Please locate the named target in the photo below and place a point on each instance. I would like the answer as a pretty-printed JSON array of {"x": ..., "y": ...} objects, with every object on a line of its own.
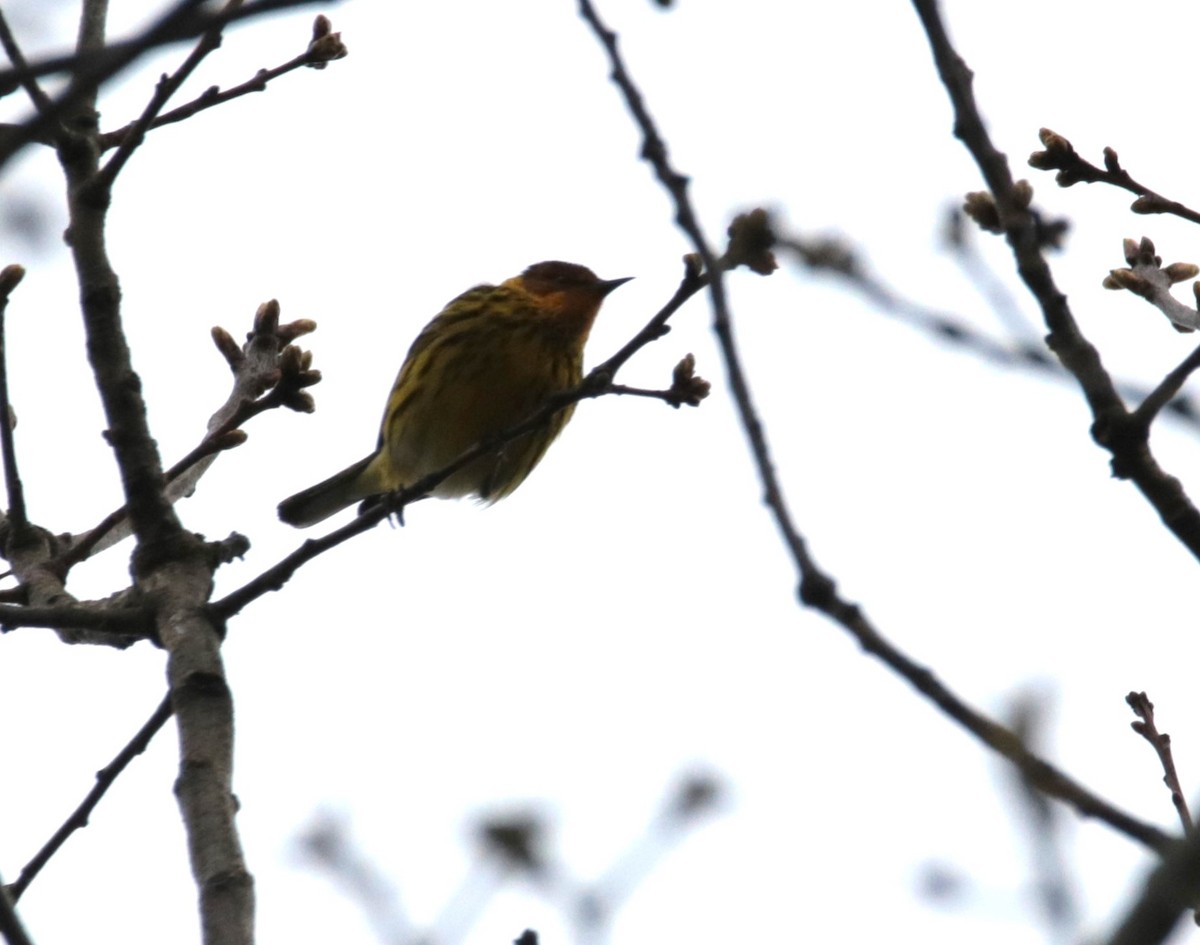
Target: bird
[{"x": 490, "y": 359}]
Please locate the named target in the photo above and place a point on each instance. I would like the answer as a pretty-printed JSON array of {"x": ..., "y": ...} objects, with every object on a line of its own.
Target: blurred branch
[
  {"x": 1114, "y": 428},
  {"x": 841, "y": 260},
  {"x": 328, "y": 845},
  {"x": 817, "y": 589},
  {"x": 41, "y": 101},
  {"x": 510, "y": 845},
  {"x": 694, "y": 797},
  {"x": 1042, "y": 825},
  {"x": 105, "y": 778}
]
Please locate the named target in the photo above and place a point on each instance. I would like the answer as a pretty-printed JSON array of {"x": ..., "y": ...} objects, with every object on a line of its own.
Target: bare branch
[
  {"x": 105, "y": 778},
  {"x": 1125, "y": 437},
  {"x": 128, "y": 623},
  {"x": 1060, "y": 155},
  {"x": 841, "y": 260},
  {"x": 1167, "y": 390},
  {"x": 93, "y": 65},
  {"x": 166, "y": 88},
  {"x": 1148, "y": 278},
  {"x": 10, "y": 278},
  {"x": 317, "y": 53},
  {"x": 817, "y": 589},
  {"x": 1143, "y": 708},
  {"x": 268, "y": 372}
]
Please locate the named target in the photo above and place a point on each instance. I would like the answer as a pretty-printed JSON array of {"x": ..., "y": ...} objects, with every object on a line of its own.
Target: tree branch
[
  {"x": 1113, "y": 428},
  {"x": 105, "y": 778},
  {"x": 817, "y": 589},
  {"x": 1060, "y": 155},
  {"x": 18, "y": 521},
  {"x": 92, "y": 65},
  {"x": 319, "y": 52},
  {"x": 267, "y": 373},
  {"x": 172, "y": 567},
  {"x": 11, "y": 927}
]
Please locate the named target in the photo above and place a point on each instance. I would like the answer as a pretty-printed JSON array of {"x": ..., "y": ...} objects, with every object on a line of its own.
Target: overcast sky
[{"x": 629, "y": 614}]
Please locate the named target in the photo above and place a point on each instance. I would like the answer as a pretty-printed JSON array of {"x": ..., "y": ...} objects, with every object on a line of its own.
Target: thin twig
[
  {"x": 214, "y": 96},
  {"x": 816, "y": 589},
  {"x": 1060, "y": 155},
  {"x": 841, "y": 260},
  {"x": 1143, "y": 708},
  {"x": 266, "y": 374},
  {"x": 167, "y": 86},
  {"x": 105, "y": 778},
  {"x": 1167, "y": 389},
  {"x": 91, "y": 68},
  {"x": 10, "y": 277}
]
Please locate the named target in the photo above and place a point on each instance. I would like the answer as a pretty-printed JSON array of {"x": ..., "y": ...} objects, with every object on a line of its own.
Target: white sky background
[{"x": 629, "y": 613}]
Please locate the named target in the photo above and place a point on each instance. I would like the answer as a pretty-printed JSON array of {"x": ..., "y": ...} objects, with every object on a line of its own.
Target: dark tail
[{"x": 318, "y": 502}]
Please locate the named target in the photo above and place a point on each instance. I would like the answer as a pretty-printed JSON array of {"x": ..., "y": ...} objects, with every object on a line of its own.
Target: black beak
[{"x": 607, "y": 285}]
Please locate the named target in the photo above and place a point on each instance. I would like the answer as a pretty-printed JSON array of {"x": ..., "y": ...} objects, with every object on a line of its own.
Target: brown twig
[
  {"x": 167, "y": 86},
  {"x": 91, "y": 67},
  {"x": 1167, "y": 390},
  {"x": 10, "y": 278},
  {"x": 1060, "y": 155},
  {"x": 317, "y": 53},
  {"x": 817, "y": 589},
  {"x": 267, "y": 373},
  {"x": 1143, "y": 708},
  {"x": 105, "y": 779},
  {"x": 1124, "y": 436}
]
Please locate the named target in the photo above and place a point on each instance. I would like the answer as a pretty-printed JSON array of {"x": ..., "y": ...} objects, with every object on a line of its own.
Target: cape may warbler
[{"x": 486, "y": 362}]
